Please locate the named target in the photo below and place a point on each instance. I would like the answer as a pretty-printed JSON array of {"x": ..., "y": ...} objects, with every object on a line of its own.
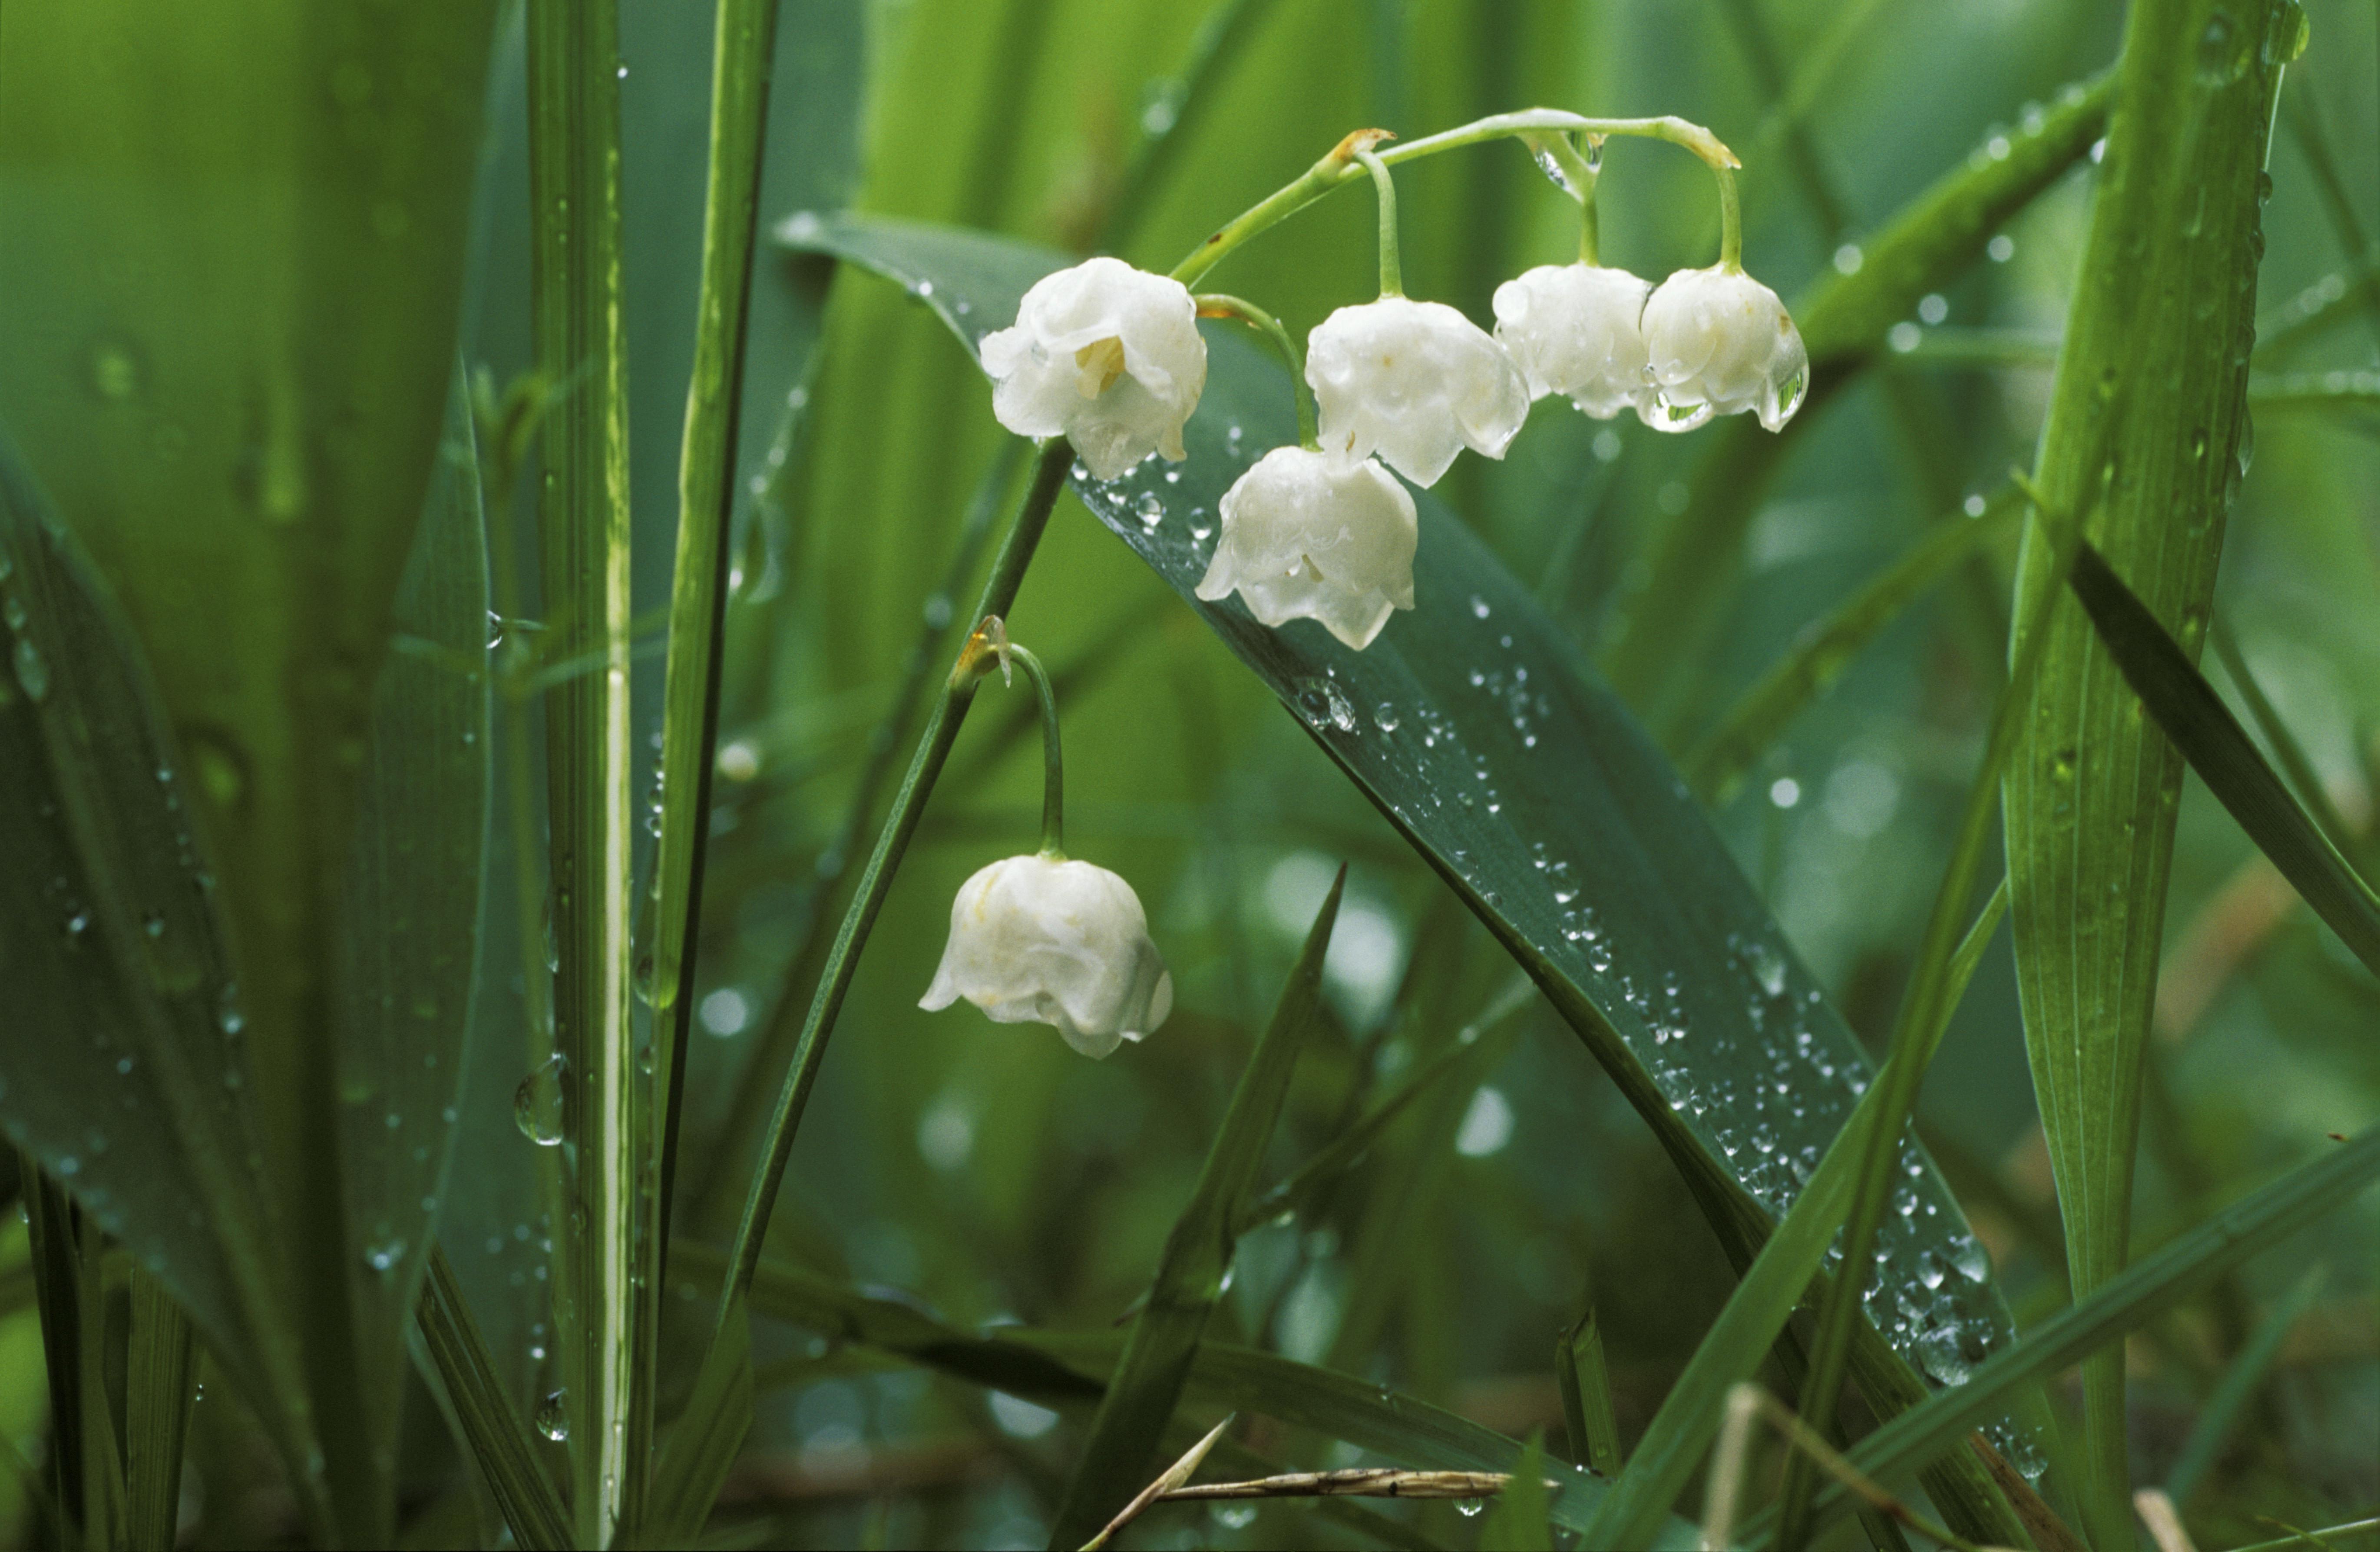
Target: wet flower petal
[
  {"x": 1105, "y": 355},
  {"x": 1575, "y": 329},
  {"x": 1049, "y": 940},
  {"x": 1314, "y": 536},
  {"x": 1414, "y": 382},
  {"x": 1718, "y": 343}
]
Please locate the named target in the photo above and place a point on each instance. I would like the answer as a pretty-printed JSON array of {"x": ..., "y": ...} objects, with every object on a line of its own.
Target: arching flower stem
[
  {"x": 1392, "y": 278},
  {"x": 1341, "y": 167},
  {"x": 989, "y": 647},
  {"x": 1216, "y": 304},
  {"x": 1730, "y": 222}
]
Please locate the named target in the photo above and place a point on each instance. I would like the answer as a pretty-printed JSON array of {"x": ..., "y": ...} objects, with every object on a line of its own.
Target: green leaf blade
[
  {"x": 1164, "y": 1340},
  {"x": 2142, "y": 445}
]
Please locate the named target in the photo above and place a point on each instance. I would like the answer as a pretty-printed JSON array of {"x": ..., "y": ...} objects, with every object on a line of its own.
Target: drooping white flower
[
  {"x": 1107, "y": 356},
  {"x": 1047, "y": 940},
  {"x": 1574, "y": 329},
  {"x": 1314, "y": 536},
  {"x": 1413, "y": 382},
  {"x": 1719, "y": 342}
]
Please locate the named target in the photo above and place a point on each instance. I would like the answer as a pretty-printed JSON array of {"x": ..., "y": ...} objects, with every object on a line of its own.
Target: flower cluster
[{"x": 1110, "y": 357}]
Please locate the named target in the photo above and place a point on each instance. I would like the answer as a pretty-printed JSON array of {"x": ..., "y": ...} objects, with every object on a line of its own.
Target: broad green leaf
[
  {"x": 1146, "y": 1386},
  {"x": 411, "y": 930},
  {"x": 2145, "y": 445},
  {"x": 1058, "y": 1368},
  {"x": 494, "y": 1433},
  {"x": 702, "y": 1445},
  {"x": 231, "y": 257},
  {"x": 1528, "y": 786},
  {"x": 2206, "y": 734},
  {"x": 135, "y": 1097},
  {"x": 1843, "y": 318}
]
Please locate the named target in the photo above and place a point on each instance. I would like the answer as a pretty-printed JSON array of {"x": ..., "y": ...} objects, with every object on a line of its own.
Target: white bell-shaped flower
[
  {"x": 1044, "y": 939},
  {"x": 1575, "y": 329},
  {"x": 1718, "y": 342},
  {"x": 1105, "y": 355},
  {"x": 1314, "y": 536},
  {"x": 1413, "y": 382}
]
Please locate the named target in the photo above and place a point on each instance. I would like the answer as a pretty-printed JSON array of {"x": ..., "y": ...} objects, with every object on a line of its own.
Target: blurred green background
[{"x": 989, "y": 1171}]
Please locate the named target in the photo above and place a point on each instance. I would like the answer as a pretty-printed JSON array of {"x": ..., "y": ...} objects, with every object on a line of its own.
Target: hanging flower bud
[
  {"x": 1574, "y": 329},
  {"x": 1413, "y": 382},
  {"x": 1721, "y": 342},
  {"x": 1043, "y": 940},
  {"x": 1106, "y": 355},
  {"x": 1313, "y": 536}
]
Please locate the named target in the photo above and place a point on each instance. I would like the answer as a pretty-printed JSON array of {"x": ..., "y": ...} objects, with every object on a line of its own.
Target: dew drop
[
  {"x": 552, "y": 1420},
  {"x": 537, "y": 1106}
]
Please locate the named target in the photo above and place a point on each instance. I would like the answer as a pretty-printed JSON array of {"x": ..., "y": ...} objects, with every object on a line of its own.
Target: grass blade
[
  {"x": 702, "y": 1445},
  {"x": 2285, "y": 746},
  {"x": 2202, "y": 729},
  {"x": 1164, "y": 1340},
  {"x": 1585, "y": 1385},
  {"x": 576, "y": 324},
  {"x": 49, "y": 1222},
  {"x": 1521, "y": 1522},
  {"x": 2240, "y": 1380},
  {"x": 2145, "y": 428},
  {"x": 159, "y": 1387},
  {"x": 1759, "y": 718},
  {"x": 497, "y": 1438},
  {"x": 2154, "y": 1284},
  {"x": 742, "y": 50}
]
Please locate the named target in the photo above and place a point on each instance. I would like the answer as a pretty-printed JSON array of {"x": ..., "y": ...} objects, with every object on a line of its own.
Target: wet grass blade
[
  {"x": 2241, "y": 1377},
  {"x": 2192, "y": 714},
  {"x": 580, "y": 337},
  {"x": 703, "y": 1443},
  {"x": 1690, "y": 1415},
  {"x": 1585, "y": 1385},
  {"x": 1827, "y": 647},
  {"x": 1164, "y": 1339},
  {"x": 2155, "y": 1283},
  {"x": 2143, "y": 439},
  {"x": 497, "y": 1438},
  {"x": 159, "y": 1387},
  {"x": 742, "y": 51}
]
